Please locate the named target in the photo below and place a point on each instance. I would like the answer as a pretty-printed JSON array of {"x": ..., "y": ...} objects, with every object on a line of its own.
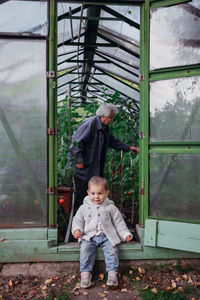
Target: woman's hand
[
  {"x": 80, "y": 166},
  {"x": 128, "y": 238},
  {"x": 134, "y": 148},
  {"x": 77, "y": 234}
]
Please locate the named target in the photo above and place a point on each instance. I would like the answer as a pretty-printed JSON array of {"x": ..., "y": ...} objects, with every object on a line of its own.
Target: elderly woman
[{"x": 89, "y": 146}]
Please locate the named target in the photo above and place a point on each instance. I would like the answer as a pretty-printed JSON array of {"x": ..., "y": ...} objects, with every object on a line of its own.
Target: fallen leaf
[
  {"x": 1, "y": 239},
  {"x": 190, "y": 280},
  {"x": 133, "y": 267},
  {"x": 101, "y": 276},
  {"x": 102, "y": 295},
  {"x": 154, "y": 290},
  {"x": 85, "y": 293},
  {"x": 48, "y": 281},
  {"x": 141, "y": 270},
  {"x": 183, "y": 263},
  {"x": 10, "y": 283},
  {"x": 146, "y": 287},
  {"x": 173, "y": 283},
  {"x": 125, "y": 278},
  {"x": 138, "y": 278}
]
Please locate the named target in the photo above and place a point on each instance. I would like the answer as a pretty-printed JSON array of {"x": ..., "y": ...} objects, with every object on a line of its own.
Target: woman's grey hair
[{"x": 106, "y": 110}]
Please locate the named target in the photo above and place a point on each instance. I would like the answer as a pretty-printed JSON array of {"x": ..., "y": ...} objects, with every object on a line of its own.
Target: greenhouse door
[{"x": 170, "y": 140}]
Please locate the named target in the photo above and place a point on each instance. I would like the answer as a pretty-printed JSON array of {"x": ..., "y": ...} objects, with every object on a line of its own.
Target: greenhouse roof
[{"x": 98, "y": 51}]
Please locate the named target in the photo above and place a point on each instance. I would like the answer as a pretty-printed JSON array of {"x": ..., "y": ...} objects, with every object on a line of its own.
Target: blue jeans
[{"x": 88, "y": 253}]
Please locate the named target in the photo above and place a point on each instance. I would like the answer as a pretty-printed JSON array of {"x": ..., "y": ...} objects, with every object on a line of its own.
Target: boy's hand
[
  {"x": 128, "y": 238},
  {"x": 77, "y": 234}
]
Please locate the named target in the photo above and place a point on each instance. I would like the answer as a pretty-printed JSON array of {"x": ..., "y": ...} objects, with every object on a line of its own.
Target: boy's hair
[{"x": 97, "y": 180}]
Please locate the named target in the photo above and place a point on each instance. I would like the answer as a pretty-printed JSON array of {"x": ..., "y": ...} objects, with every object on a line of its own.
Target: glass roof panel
[
  {"x": 111, "y": 68},
  {"x": 118, "y": 86},
  {"x": 122, "y": 28},
  {"x": 111, "y": 49},
  {"x": 66, "y": 78},
  {"x": 28, "y": 17}
]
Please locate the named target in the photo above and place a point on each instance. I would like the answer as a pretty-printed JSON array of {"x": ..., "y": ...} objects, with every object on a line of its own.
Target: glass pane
[
  {"x": 24, "y": 17},
  {"x": 175, "y": 110},
  {"x": 118, "y": 86},
  {"x": 175, "y": 186},
  {"x": 23, "y": 159},
  {"x": 175, "y": 35}
]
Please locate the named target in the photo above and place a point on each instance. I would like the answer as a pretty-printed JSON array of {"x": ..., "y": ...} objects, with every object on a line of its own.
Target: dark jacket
[{"x": 87, "y": 144}]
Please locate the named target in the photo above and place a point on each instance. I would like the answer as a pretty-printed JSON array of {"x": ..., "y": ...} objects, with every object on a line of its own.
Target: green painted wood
[
  {"x": 174, "y": 220},
  {"x": 172, "y": 74},
  {"x": 173, "y": 235},
  {"x": 52, "y": 104},
  {"x": 144, "y": 124},
  {"x": 52, "y": 233},
  {"x": 25, "y": 248},
  {"x": 191, "y": 231},
  {"x": 24, "y": 234},
  {"x": 150, "y": 236},
  {"x": 179, "y": 243},
  {"x": 190, "y": 149},
  {"x": 161, "y": 3}
]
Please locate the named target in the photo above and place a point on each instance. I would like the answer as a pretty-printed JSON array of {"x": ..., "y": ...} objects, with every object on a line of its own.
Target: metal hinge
[
  {"x": 142, "y": 135},
  {"x": 51, "y": 191},
  {"x": 51, "y": 74},
  {"x": 52, "y": 131},
  {"x": 142, "y": 77}
]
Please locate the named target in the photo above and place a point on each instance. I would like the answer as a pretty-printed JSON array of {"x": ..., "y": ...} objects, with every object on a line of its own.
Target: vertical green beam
[
  {"x": 52, "y": 110},
  {"x": 144, "y": 122}
]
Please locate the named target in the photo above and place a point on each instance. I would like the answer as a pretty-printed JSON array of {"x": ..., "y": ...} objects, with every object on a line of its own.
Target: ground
[{"x": 177, "y": 281}]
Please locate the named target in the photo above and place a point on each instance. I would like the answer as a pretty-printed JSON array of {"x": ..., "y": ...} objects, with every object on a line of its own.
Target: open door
[{"x": 170, "y": 140}]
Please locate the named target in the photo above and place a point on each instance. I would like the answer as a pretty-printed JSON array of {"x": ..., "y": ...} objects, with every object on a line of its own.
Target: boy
[{"x": 98, "y": 222}]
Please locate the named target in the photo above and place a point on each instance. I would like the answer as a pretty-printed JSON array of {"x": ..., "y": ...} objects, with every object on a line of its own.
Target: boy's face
[{"x": 97, "y": 193}]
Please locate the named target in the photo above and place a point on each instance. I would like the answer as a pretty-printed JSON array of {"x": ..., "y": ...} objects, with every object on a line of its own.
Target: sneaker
[
  {"x": 112, "y": 278},
  {"x": 86, "y": 279}
]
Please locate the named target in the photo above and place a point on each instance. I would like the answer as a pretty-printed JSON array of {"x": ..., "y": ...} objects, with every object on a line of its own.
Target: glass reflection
[
  {"x": 175, "y": 110},
  {"x": 175, "y": 186},
  {"x": 175, "y": 35}
]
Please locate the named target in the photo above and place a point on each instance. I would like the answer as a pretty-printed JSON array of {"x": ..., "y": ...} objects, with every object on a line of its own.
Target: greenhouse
[{"x": 59, "y": 61}]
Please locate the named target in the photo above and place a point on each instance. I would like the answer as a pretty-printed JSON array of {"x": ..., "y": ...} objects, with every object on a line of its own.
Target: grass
[{"x": 161, "y": 295}]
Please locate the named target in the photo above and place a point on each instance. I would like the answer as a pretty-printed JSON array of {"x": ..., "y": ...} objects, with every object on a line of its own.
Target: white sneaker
[
  {"x": 112, "y": 278},
  {"x": 86, "y": 279}
]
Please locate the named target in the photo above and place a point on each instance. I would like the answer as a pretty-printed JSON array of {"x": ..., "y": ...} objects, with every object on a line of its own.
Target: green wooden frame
[{"x": 52, "y": 113}]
